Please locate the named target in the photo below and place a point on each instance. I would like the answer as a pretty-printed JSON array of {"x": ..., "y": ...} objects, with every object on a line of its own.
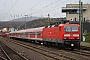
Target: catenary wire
[{"x": 10, "y": 9}]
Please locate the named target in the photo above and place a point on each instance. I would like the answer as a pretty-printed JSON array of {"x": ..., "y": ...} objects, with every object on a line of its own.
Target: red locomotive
[{"x": 63, "y": 35}]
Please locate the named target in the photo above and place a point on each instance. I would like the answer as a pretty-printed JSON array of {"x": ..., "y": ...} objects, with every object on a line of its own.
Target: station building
[{"x": 72, "y": 12}]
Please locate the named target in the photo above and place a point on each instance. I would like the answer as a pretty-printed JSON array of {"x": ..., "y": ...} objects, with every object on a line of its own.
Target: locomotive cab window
[
  {"x": 71, "y": 28},
  {"x": 74, "y": 28}
]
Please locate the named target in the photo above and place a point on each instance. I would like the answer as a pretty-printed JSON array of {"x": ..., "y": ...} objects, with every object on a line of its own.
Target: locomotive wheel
[
  {"x": 59, "y": 45},
  {"x": 72, "y": 48},
  {"x": 78, "y": 46}
]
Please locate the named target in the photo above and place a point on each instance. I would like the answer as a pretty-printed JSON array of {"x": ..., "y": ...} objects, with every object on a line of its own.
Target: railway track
[
  {"x": 48, "y": 52},
  {"x": 81, "y": 52},
  {"x": 9, "y": 53},
  {"x": 2, "y": 58},
  {"x": 2, "y": 55},
  {"x": 85, "y": 48},
  {"x": 45, "y": 52}
]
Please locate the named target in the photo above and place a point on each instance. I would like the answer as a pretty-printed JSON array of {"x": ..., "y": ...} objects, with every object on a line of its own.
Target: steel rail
[
  {"x": 44, "y": 52},
  {"x": 2, "y": 58},
  {"x": 15, "y": 52},
  {"x": 5, "y": 53}
]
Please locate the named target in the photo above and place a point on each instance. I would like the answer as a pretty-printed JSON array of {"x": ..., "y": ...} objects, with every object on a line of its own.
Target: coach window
[
  {"x": 23, "y": 33},
  {"x": 32, "y": 33},
  {"x": 28, "y": 33},
  {"x": 39, "y": 33}
]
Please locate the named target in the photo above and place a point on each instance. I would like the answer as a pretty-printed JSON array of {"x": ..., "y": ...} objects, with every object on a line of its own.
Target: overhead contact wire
[{"x": 11, "y": 8}]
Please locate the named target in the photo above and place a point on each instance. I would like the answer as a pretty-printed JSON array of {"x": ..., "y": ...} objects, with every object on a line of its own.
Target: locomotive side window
[
  {"x": 70, "y": 28},
  {"x": 59, "y": 28}
]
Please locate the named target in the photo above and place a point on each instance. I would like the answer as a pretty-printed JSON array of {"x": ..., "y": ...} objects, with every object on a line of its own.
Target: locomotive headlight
[
  {"x": 76, "y": 35},
  {"x": 72, "y": 44},
  {"x": 66, "y": 35},
  {"x": 78, "y": 38},
  {"x": 65, "y": 38}
]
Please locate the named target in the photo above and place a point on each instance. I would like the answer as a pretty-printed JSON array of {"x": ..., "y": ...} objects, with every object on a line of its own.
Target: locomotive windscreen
[{"x": 71, "y": 28}]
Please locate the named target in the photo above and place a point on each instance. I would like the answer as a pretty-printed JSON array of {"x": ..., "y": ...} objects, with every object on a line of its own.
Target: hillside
[
  {"x": 10, "y": 24},
  {"x": 41, "y": 22},
  {"x": 16, "y": 23},
  {"x": 30, "y": 24},
  {"x": 23, "y": 19}
]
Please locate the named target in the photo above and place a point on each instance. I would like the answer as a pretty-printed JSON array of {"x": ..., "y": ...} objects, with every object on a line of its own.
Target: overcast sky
[{"x": 12, "y": 9}]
